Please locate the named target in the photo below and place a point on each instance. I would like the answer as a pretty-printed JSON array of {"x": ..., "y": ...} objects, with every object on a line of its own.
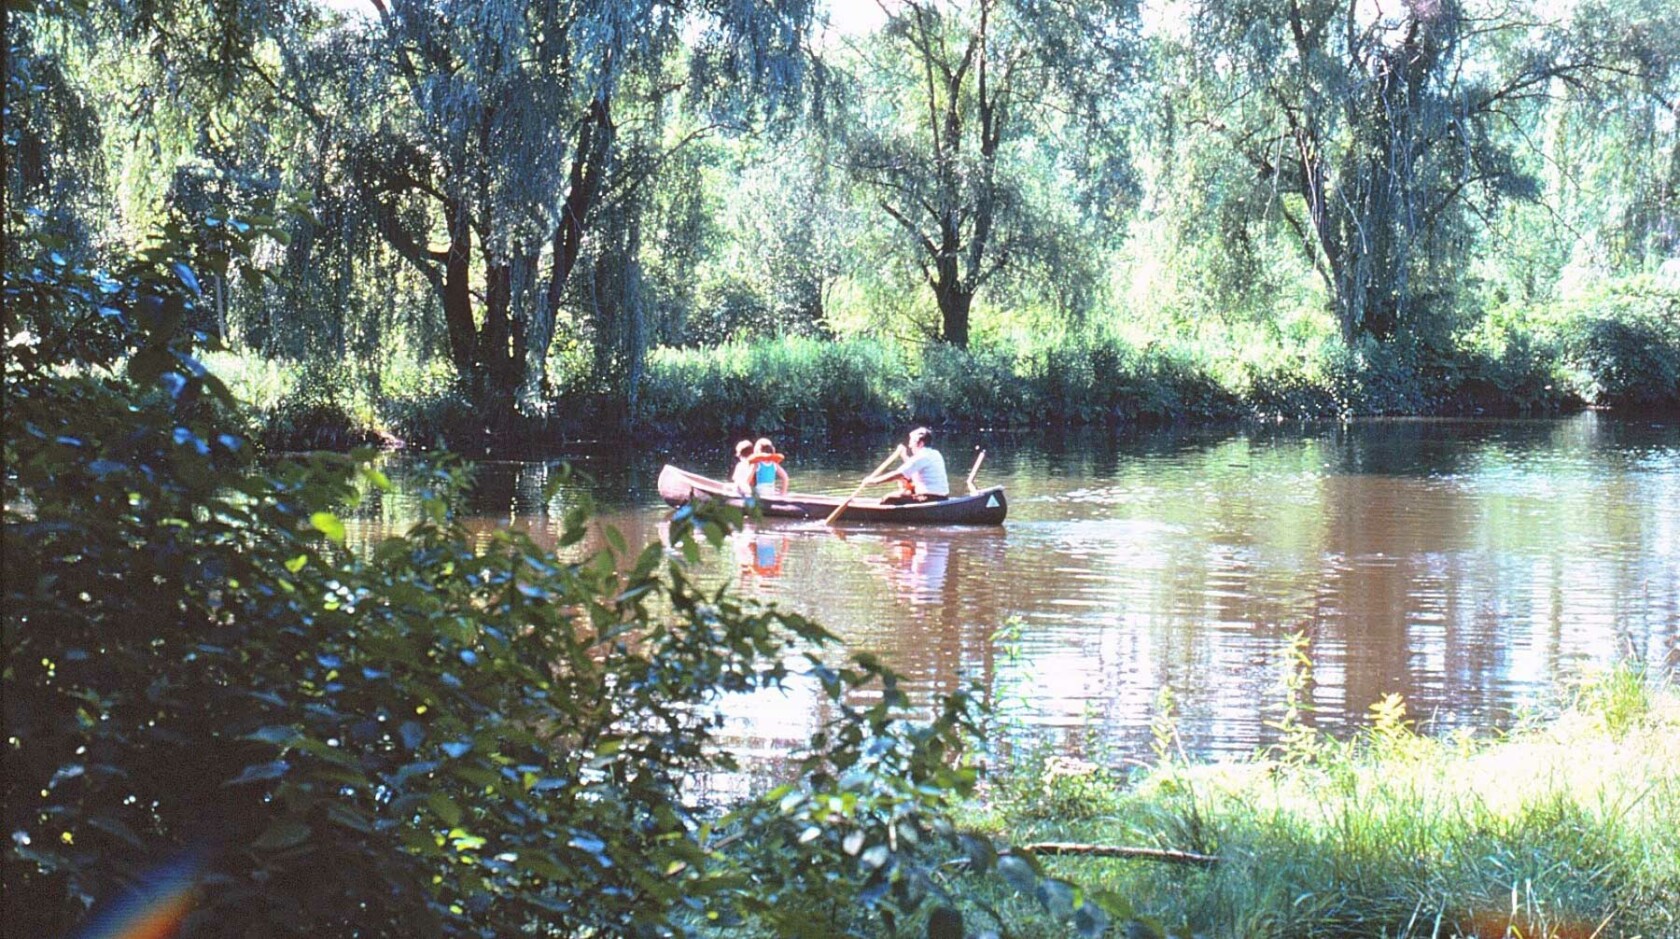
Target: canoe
[{"x": 985, "y": 507}]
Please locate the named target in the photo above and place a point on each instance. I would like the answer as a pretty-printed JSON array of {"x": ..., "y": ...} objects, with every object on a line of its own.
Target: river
[{"x": 1473, "y": 568}]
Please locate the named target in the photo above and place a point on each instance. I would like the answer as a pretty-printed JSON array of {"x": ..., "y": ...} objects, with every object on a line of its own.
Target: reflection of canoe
[{"x": 986, "y": 507}]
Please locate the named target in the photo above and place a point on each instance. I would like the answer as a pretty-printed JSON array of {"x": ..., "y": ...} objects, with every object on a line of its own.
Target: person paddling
[
  {"x": 923, "y": 469},
  {"x": 768, "y": 478}
]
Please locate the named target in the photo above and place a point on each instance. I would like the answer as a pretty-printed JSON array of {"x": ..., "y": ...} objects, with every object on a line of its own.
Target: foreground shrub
[{"x": 439, "y": 734}]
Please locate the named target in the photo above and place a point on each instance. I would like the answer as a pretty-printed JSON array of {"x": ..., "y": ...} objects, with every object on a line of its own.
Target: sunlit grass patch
[
  {"x": 1562, "y": 829},
  {"x": 798, "y": 385}
]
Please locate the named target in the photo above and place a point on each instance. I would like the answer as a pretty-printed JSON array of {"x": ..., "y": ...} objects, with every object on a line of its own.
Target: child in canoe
[
  {"x": 768, "y": 478},
  {"x": 742, "y": 476}
]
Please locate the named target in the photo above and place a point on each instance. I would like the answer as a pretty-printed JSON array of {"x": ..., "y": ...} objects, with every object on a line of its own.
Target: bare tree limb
[{"x": 1074, "y": 849}]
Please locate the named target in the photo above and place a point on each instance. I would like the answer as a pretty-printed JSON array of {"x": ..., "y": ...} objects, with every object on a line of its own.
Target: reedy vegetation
[{"x": 1561, "y": 828}]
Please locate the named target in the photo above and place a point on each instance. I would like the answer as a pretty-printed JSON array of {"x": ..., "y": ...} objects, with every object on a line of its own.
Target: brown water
[{"x": 1472, "y": 567}]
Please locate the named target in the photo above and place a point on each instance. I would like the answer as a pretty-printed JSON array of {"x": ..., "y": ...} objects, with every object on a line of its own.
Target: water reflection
[
  {"x": 758, "y": 553},
  {"x": 1468, "y": 566},
  {"x": 916, "y": 568}
]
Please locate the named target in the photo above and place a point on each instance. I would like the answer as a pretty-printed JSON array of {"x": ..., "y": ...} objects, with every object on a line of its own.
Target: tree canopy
[{"x": 521, "y": 201}]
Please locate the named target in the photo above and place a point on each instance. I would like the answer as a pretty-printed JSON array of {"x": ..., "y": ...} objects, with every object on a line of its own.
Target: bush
[
  {"x": 801, "y": 386},
  {"x": 1282, "y": 388},
  {"x": 1624, "y": 346},
  {"x": 426, "y": 407},
  {"x": 1075, "y": 381},
  {"x": 971, "y": 386},
  {"x": 1514, "y": 369},
  {"x": 439, "y": 737}
]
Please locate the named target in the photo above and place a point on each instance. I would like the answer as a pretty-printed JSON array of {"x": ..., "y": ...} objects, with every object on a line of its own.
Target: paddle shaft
[
  {"x": 977, "y": 461},
  {"x": 878, "y": 470}
]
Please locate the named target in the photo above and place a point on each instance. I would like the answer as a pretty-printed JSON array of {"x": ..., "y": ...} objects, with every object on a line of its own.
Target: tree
[
  {"x": 501, "y": 145},
  {"x": 958, "y": 84},
  {"x": 52, "y": 138},
  {"x": 1381, "y": 128}
]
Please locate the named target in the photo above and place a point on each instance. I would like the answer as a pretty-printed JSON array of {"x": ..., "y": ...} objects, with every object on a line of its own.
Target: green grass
[
  {"x": 1563, "y": 829},
  {"x": 790, "y": 385},
  {"x": 1622, "y": 350}
]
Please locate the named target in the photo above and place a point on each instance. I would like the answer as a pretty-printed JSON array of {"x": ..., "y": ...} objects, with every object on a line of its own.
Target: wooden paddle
[
  {"x": 977, "y": 461},
  {"x": 898, "y": 451}
]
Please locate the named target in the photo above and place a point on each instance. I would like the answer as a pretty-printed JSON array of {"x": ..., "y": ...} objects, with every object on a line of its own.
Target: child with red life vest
[{"x": 768, "y": 478}]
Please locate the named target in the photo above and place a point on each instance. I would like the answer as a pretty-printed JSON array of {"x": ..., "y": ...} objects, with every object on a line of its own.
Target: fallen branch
[{"x": 1075, "y": 849}]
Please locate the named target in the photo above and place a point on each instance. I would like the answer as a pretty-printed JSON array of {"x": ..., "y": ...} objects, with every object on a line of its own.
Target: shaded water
[{"x": 1469, "y": 566}]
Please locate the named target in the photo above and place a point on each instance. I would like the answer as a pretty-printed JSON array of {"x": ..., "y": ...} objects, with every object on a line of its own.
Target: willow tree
[
  {"x": 956, "y": 83},
  {"x": 1381, "y": 128},
  {"x": 105, "y": 101},
  {"x": 485, "y": 174}
]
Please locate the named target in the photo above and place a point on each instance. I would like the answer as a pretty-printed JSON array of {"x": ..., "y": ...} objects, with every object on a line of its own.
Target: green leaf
[
  {"x": 876, "y": 856},
  {"x": 349, "y": 817},
  {"x": 283, "y": 834},
  {"x": 1090, "y": 921},
  {"x": 476, "y": 775},
  {"x": 278, "y": 735},
  {"x": 1017, "y": 872},
  {"x": 615, "y": 539},
  {"x": 982, "y": 855},
  {"x": 444, "y": 808},
  {"x": 260, "y": 771},
  {"x": 328, "y": 524},
  {"x": 542, "y": 864},
  {"x": 1114, "y": 904},
  {"x": 378, "y": 479},
  {"x": 1058, "y": 897}
]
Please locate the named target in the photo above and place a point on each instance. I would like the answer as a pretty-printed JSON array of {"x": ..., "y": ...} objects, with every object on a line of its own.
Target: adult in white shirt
[{"x": 923, "y": 470}]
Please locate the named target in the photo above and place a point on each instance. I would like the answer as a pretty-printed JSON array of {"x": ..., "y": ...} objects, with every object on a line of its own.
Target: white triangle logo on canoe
[{"x": 991, "y": 502}]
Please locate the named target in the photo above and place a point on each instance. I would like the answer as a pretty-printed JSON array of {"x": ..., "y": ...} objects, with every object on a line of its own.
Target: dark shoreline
[{"x": 547, "y": 438}]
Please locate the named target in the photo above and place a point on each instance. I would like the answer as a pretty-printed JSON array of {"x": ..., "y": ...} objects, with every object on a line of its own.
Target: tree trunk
[
  {"x": 457, "y": 295},
  {"x": 589, "y": 160},
  {"x": 635, "y": 335},
  {"x": 954, "y": 303}
]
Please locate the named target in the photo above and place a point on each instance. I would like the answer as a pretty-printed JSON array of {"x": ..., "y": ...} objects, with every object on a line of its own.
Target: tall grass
[
  {"x": 1621, "y": 348},
  {"x": 807, "y": 386},
  {"x": 1565, "y": 829},
  {"x": 790, "y": 385}
]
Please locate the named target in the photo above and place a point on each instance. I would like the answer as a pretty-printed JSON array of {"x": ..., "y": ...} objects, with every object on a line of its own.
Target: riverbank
[
  {"x": 1562, "y": 828},
  {"x": 810, "y": 388}
]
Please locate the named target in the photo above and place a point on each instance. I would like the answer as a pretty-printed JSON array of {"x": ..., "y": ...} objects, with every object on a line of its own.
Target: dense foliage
[{"x": 512, "y": 209}]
